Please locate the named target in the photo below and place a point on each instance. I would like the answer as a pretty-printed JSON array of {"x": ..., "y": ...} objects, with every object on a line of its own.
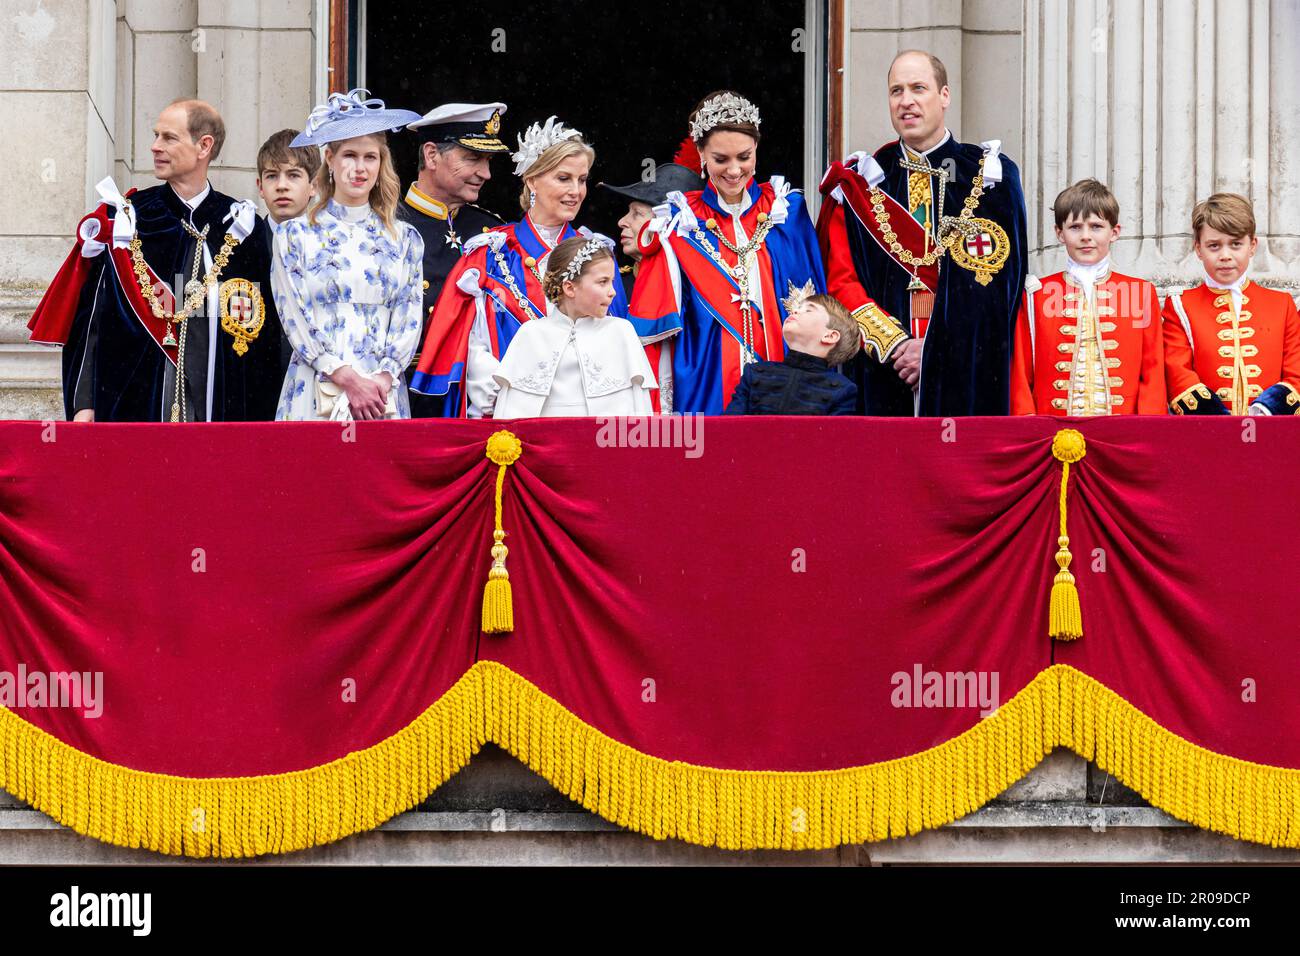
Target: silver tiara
[
  {"x": 589, "y": 249},
  {"x": 720, "y": 109}
]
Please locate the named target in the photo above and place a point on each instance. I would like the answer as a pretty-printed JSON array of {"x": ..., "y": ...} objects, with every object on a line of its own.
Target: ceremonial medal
[
  {"x": 243, "y": 312},
  {"x": 980, "y": 246}
]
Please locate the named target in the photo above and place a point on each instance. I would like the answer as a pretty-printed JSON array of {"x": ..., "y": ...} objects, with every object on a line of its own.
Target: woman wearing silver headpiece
[
  {"x": 714, "y": 271},
  {"x": 497, "y": 287}
]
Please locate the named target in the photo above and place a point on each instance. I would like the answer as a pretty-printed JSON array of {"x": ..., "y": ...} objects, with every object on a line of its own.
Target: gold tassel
[
  {"x": 503, "y": 450},
  {"x": 1065, "y": 617}
]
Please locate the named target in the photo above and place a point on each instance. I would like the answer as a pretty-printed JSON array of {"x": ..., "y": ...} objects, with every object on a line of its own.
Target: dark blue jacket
[{"x": 801, "y": 385}]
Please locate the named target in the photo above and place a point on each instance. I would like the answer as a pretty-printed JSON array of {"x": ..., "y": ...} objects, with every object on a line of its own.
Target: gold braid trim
[
  {"x": 1190, "y": 399},
  {"x": 731, "y": 809},
  {"x": 880, "y": 334}
]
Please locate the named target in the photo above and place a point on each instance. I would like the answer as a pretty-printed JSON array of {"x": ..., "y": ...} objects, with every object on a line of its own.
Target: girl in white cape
[{"x": 577, "y": 360}]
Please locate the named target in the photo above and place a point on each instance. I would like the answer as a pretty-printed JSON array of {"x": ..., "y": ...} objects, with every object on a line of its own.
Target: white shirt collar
[
  {"x": 355, "y": 213},
  {"x": 1236, "y": 289},
  {"x": 1236, "y": 286},
  {"x": 548, "y": 234},
  {"x": 193, "y": 201},
  {"x": 947, "y": 135},
  {"x": 1087, "y": 274}
]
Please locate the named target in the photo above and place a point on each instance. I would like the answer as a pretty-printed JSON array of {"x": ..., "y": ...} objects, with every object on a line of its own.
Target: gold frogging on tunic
[
  {"x": 1237, "y": 396},
  {"x": 1089, "y": 386}
]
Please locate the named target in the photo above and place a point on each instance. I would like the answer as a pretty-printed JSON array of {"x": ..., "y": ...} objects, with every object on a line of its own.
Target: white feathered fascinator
[{"x": 537, "y": 139}]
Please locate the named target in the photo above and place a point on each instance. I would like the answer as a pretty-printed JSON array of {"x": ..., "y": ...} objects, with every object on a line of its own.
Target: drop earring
[{"x": 532, "y": 199}]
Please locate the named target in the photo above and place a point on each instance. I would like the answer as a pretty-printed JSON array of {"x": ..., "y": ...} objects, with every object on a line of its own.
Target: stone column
[
  {"x": 58, "y": 113},
  {"x": 254, "y": 63},
  {"x": 1166, "y": 101}
]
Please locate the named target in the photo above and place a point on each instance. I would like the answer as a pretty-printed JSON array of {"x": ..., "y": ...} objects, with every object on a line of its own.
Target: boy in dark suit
[{"x": 819, "y": 335}]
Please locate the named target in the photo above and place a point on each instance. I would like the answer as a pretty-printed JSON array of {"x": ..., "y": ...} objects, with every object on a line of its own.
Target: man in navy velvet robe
[
  {"x": 120, "y": 359},
  {"x": 932, "y": 273}
]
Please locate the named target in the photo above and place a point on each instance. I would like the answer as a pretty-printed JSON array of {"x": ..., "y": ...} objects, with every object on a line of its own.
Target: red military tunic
[
  {"x": 1073, "y": 357},
  {"x": 1241, "y": 358}
]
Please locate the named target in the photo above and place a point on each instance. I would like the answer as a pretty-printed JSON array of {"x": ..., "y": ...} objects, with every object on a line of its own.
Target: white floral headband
[{"x": 585, "y": 255}]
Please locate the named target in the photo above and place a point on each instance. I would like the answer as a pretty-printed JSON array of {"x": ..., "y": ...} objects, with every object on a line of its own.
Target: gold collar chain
[
  {"x": 951, "y": 228},
  {"x": 195, "y": 291}
]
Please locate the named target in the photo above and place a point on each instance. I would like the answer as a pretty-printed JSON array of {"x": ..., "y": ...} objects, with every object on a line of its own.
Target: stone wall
[
  {"x": 58, "y": 100},
  {"x": 252, "y": 61},
  {"x": 1166, "y": 101},
  {"x": 81, "y": 83},
  {"x": 979, "y": 41}
]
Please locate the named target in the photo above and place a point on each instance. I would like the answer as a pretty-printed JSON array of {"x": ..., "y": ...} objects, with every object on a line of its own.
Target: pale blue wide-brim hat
[{"x": 345, "y": 115}]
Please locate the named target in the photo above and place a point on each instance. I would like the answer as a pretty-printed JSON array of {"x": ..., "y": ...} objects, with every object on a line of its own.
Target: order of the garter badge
[
  {"x": 243, "y": 312},
  {"x": 979, "y": 245}
]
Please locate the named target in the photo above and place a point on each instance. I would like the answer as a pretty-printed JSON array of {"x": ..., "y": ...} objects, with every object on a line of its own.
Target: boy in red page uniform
[
  {"x": 1231, "y": 347},
  {"x": 1088, "y": 339}
]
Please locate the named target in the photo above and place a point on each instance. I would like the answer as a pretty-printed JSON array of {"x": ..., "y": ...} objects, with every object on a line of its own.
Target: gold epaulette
[{"x": 486, "y": 212}]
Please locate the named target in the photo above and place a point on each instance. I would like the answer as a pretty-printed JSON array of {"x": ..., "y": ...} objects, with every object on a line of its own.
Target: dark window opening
[{"x": 626, "y": 75}]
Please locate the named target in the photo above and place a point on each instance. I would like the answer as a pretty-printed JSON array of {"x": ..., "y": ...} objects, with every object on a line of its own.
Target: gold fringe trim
[
  {"x": 244, "y": 816},
  {"x": 730, "y": 809},
  {"x": 1245, "y": 800},
  {"x": 752, "y": 809}
]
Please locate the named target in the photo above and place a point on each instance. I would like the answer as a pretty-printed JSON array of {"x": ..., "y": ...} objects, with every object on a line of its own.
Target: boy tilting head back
[
  {"x": 819, "y": 334},
  {"x": 284, "y": 176},
  {"x": 1088, "y": 339},
  {"x": 1231, "y": 347}
]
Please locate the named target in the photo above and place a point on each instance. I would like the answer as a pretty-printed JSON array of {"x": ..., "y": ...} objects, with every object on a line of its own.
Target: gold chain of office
[
  {"x": 946, "y": 236},
  {"x": 196, "y": 292}
]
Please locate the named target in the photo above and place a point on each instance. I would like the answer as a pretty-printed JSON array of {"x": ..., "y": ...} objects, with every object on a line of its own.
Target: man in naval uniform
[{"x": 457, "y": 142}]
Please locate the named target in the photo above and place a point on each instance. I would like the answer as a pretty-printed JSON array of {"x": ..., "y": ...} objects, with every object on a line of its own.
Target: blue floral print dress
[{"x": 349, "y": 292}]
